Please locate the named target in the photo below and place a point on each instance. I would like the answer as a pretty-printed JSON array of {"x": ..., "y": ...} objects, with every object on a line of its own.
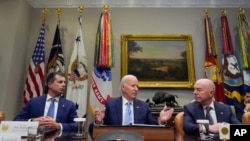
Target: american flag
[{"x": 34, "y": 83}]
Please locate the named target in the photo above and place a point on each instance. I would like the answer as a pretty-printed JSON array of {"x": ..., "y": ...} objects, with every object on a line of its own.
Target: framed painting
[{"x": 158, "y": 61}]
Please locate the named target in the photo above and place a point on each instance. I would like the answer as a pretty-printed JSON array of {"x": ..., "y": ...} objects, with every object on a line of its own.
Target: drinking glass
[
  {"x": 204, "y": 122},
  {"x": 79, "y": 127},
  {"x": 35, "y": 133}
]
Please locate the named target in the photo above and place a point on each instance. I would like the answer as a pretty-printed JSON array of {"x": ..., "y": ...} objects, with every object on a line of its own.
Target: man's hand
[
  {"x": 49, "y": 122},
  {"x": 215, "y": 127},
  {"x": 99, "y": 115},
  {"x": 247, "y": 107},
  {"x": 165, "y": 114}
]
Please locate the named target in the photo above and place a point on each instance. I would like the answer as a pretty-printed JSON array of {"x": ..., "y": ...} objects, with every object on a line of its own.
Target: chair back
[
  {"x": 119, "y": 135},
  {"x": 178, "y": 124},
  {"x": 246, "y": 118},
  {"x": 2, "y": 116}
]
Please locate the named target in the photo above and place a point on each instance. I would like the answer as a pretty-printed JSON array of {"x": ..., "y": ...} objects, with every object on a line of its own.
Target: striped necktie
[
  {"x": 127, "y": 114},
  {"x": 51, "y": 108},
  {"x": 208, "y": 115}
]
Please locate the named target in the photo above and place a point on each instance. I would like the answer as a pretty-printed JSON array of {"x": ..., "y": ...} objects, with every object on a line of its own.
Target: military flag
[
  {"x": 101, "y": 80},
  {"x": 244, "y": 39},
  {"x": 232, "y": 75},
  {"x": 212, "y": 67},
  {"x": 34, "y": 83},
  {"x": 77, "y": 86}
]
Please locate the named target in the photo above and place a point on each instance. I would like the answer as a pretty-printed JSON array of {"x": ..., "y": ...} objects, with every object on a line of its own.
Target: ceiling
[{"x": 139, "y": 3}]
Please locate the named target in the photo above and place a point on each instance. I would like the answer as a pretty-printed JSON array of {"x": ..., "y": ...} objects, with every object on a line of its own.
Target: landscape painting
[{"x": 158, "y": 60}]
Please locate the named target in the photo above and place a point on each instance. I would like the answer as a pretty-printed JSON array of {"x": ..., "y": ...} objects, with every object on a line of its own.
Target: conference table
[
  {"x": 54, "y": 136},
  {"x": 196, "y": 138},
  {"x": 148, "y": 132}
]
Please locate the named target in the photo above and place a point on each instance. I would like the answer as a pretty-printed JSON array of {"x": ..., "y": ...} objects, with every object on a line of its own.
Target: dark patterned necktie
[
  {"x": 51, "y": 108},
  {"x": 208, "y": 115}
]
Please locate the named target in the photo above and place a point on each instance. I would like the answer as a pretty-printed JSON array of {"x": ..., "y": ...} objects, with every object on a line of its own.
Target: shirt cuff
[
  {"x": 95, "y": 124},
  {"x": 61, "y": 127}
]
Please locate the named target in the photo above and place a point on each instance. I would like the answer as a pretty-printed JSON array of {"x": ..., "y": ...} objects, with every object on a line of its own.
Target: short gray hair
[{"x": 125, "y": 78}]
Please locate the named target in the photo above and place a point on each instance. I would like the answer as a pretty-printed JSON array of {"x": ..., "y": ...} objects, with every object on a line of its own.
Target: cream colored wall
[
  {"x": 20, "y": 23},
  {"x": 14, "y": 32}
]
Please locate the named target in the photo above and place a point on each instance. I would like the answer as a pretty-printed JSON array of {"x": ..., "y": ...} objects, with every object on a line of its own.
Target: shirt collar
[
  {"x": 49, "y": 98},
  {"x": 124, "y": 101},
  {"x": 211, "y": 105}
]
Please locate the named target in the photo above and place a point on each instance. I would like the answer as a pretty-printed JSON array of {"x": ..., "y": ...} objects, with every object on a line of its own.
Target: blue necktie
[
  {"x": 51, "y": 108},
  {"x": 128, "y": 115}
]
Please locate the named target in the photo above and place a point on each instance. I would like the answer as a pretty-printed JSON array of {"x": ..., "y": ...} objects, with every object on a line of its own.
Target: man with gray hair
[{"x": 127, "y": 109}]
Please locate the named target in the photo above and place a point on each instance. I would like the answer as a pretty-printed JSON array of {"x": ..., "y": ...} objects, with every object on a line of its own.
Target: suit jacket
[
  {"x": 65, "y": 114},
  {"x": 239, "y": 110},
  {"x": 113, "y": 113},
  {"x": 194, "y": 111}
]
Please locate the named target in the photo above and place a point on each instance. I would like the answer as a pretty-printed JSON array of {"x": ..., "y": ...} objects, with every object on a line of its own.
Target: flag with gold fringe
[
  {"x": 212, "y": 67},
  {"x": 101, "y": 80},
  {"x": 34, "y": 83},
  {"x": 244, "y": 39},
  {"x": 56, "y": 58},
  {"x": 77, "y": 86},
  {"x": 232, "y": 75}
]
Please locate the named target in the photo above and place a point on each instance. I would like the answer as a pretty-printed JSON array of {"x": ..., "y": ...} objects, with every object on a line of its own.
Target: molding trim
[{"x": 141, "y": 3}]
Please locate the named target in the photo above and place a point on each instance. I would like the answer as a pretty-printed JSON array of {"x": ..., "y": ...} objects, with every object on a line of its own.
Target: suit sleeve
[
  {"x": 190, "y": 125},
  {"x": 69, "y": 124},
  {"x": 24, "y": 114},
  {"x": 239, "y": 111}
]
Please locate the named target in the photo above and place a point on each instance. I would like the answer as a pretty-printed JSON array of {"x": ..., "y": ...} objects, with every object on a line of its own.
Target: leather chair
[
  {"x": 121, "y": 135},
  {"x": 2, "y": 116},
  {"x": 246, "y": 118},
  {"x": 178, "y": 125}
]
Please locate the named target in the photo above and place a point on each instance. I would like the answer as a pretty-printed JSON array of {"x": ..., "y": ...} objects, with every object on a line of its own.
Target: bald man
[{"x": 204, "y": 91}]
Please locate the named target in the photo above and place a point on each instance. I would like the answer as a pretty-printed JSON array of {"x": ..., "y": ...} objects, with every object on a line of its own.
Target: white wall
[{"x": 20, "y": 28}]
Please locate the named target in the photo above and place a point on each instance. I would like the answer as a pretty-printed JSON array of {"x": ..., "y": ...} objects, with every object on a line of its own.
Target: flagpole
[
  {"x": 81, "y": 9},
  {"x": 105, "y": 8},
  {"x": 58, "y": 12},
  {"x": 45, "y": 11}
]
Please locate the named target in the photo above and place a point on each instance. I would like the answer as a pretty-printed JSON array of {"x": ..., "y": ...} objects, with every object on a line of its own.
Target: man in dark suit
[
  {"x": 64, "y": 110},
  {"x": 243, "y": 106},
  {"x": 204, "y": 90},
  {"x": 114, "y": 111}
]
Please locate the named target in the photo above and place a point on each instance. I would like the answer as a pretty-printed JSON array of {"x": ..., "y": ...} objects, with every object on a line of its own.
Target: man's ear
[{"x": 211, "y": 93}]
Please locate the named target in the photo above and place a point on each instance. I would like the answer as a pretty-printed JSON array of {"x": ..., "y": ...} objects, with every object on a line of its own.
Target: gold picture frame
[{"x": 158, "y": 61}]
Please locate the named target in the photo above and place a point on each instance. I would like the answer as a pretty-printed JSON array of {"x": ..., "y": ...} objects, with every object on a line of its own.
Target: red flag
[
  {"x": 34, "y": 83},
  {"x": 212, "y": 68}
]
